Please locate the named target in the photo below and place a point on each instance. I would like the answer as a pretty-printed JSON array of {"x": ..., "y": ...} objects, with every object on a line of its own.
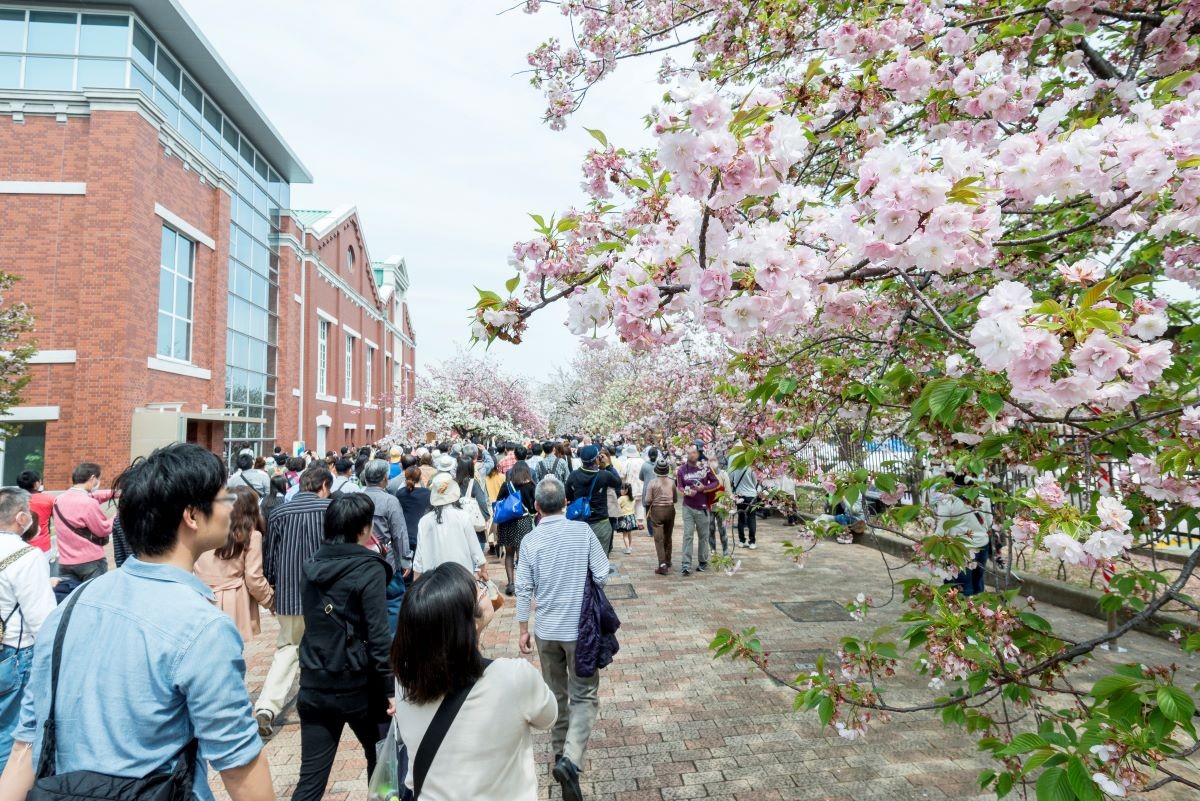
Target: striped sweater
[
  {"x": 295, "y": 531},
  {"x": 555, "y": 558}
]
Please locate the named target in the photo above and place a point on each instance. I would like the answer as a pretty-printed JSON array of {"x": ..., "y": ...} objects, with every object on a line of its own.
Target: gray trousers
[
  {"x": 578, "y": 701},
  {"x": 695, "y": 524},
  {"x": 603, "y": 531}
]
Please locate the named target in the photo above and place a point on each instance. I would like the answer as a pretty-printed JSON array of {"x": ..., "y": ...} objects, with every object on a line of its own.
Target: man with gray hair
[
  {"x": 25, "y": 600},
  {"x": 555, "y": 559},
  {"x": 391, "y": 532}
]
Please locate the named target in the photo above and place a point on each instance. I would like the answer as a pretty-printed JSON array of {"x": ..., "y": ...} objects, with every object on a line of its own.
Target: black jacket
[
  {"x": 580, "y": 481},
  {"x": 346, "y": 633}
]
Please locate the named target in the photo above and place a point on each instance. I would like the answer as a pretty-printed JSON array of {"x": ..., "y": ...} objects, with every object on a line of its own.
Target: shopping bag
[{"x": 391, "y": 766}]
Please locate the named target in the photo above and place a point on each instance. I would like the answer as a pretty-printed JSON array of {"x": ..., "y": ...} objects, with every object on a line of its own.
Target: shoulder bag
[
  {"x": 173, "y": 786},
  {"x": 510, "y": 508},
  {"x": 581, "y": 507},
  {"x": 447, "y": 711},
  {"x": 471, "y": 507},
  {"x": 84, "y": 534}
]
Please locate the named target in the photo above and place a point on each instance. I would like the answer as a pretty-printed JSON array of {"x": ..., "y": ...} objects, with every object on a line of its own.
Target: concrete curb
[{"x": 1067, "y": 596}]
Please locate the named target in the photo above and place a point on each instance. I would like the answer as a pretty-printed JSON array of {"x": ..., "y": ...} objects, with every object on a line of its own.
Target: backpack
[{"x": 581, "y": 507}]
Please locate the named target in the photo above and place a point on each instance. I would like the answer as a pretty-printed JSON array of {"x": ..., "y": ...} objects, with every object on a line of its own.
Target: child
[{"x": 627, "y": 522}]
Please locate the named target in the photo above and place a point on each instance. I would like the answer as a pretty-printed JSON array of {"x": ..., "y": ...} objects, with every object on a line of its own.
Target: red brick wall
[{"x": 89, "y": 267}]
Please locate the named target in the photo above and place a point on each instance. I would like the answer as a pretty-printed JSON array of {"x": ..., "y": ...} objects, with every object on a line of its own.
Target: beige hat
[{"x": 443, "y": 490}]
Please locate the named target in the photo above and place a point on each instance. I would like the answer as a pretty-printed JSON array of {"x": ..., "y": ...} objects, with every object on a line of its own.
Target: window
[
  {"x": 322, "y": 358},
  {"x": 175, "y": 279},
  {"x": 104, "y": 35},
  {"x": 349, "y": 394},
  {"x": 350, "y": 259},
  {"x": 52, "y": 32},
  {"x": 367, "y": 376}
]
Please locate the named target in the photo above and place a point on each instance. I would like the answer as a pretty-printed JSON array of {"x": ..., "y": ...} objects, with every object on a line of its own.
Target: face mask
[{"x": 30, "y": 532}]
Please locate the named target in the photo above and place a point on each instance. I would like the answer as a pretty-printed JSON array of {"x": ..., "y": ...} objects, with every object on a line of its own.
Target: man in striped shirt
[
  {"x": 555, "y": 558},
  {"x": 295, "y": 531}
]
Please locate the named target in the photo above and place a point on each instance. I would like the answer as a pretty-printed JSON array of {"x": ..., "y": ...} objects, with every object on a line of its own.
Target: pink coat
[{"x": 239, "y": 585}]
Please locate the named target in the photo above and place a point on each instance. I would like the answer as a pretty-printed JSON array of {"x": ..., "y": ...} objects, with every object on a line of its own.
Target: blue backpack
[
  {"x": 509, "y": 509},
  {"x": 581, "y": 507}
]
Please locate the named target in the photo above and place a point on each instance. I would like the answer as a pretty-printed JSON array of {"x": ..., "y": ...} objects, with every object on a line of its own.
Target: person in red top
[
  {"x": 79, "y": 522},
  {"x": 40, "y": 503}
]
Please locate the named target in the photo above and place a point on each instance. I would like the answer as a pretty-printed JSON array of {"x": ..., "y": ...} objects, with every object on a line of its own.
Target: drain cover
[
  {"x": 620, "y": 592},
  {"x": 814, "y": 611}
]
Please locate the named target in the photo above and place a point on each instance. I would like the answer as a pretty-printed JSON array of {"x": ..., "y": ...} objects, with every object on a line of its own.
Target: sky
[{"x": 415, "y": 113}]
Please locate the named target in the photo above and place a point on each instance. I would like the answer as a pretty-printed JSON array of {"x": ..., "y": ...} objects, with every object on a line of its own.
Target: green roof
[{"x": 307, "y": 217}]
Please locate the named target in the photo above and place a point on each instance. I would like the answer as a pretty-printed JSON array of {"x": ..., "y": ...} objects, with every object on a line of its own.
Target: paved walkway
[{"x": 676, "y": 724}]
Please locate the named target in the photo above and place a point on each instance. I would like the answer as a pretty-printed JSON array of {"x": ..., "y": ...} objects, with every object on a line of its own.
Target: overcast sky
[{"x": 415, "y": 113}]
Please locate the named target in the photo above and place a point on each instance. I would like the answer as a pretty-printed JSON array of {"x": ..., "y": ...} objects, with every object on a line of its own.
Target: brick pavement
[{"x": 676, "y": 724}]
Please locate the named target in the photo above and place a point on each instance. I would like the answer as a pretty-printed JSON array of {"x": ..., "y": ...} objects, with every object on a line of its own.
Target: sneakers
[
  {"x": 266, "y": 723},
  {"x": 741, "y": 543},
  {"x": 685, "y": 572},
  {"x": 661, "y": 569},
  {"x": 566, "y": 773},
  {"x": 701, "y": 568},
  {"x": 628, "y": 551},
  {"x": 752, "y": 546},
  {"x": 511, "y": 589}
]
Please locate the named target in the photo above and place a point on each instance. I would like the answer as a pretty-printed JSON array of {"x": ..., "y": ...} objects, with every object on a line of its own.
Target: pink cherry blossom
[{"x": 1100, "y": 356}]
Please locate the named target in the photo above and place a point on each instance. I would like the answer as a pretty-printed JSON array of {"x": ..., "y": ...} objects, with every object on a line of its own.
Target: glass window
[
  {"x": 10, "y": 72},
  {"x": 169, "y": 109},
  {"x": 104, "y": 35},
  {"x": 101, "y": 73},
  {"x": 191, "y": 131},
  {"x": 350, "y": 259},
  {"x": 231, "y": 138},
  {"x": 212, "y": 120},
  {"x": 367, "y": 375},
  {"x": 211, "y": 151},
  {"x": 260, "y": 166},
  {"x": 175, "y": 296},
  {"x": 192, "y": 95},
  {"x": 139, "y": 80},
  {"x": 49, "y": 73},
  {"x": 168, "y": 74},
  {"x": 349, "y": 394},
  {"x": 52, "y": 32},
  {"x": 143, "y": 48},
  {"x": 322, "y": 357},
  {"x": 12, "y": 31}
]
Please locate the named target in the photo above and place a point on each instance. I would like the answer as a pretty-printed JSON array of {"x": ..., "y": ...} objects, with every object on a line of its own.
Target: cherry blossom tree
[{"x": 971, "y": 224}]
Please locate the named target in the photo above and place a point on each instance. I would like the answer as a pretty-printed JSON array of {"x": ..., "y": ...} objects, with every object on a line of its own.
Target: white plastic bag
[{"x": 387, "y": 782}]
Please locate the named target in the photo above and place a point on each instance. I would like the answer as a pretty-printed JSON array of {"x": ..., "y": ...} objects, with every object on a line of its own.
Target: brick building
[{"x": 144, "y": 203}]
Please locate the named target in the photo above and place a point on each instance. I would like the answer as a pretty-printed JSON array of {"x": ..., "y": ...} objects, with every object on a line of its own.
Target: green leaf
[
  {"x": 598, "y": 136},
  {"x": 1073, "y": 29},
  {"x": 1113, "y": 684},
  {"x": 991, "y": 403},
  {"x": 1035, "y": 622},
  {"x": 1081, "y": 783},
  {"x": 1175, "y": 703},
  {"x": 512, "y": 283},
  {"x": 1024, "y": 742},
  {"x": 1053, "y": 785},
  {"x": 1004, "y": 785},
  {"x": 539, "y": 220},
  {"x": 825, "y": 710}
]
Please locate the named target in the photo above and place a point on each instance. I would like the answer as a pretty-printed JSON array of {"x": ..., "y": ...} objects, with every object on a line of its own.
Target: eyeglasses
[{"x": 229, "y": 499}]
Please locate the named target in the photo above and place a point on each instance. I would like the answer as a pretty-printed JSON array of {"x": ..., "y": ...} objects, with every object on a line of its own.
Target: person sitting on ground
[{"x": 488, "y": 752}]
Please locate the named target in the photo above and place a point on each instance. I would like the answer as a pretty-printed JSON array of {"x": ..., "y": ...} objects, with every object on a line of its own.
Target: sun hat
[
  {"x": 630, "y": 451},
  {"x": 589, "y": 453},
  {"x": 444, "y": 463},
  {"x": 443, "y": 490},
  {"x": 661, "y": 467},
  {"x": 395, "y": 453}
]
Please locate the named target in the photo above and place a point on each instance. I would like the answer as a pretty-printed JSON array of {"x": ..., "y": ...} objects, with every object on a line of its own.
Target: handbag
[
  {"x": 431, "y": 741},
  {"x": 471, "y": 507},
  {"x": 173, "y": 786},
  {"x": 510, "y": 508},
  {"x": 581, "y": 507}
]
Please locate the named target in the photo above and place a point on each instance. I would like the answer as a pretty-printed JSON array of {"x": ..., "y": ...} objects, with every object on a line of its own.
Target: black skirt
[{"x": 510, "y": 534}]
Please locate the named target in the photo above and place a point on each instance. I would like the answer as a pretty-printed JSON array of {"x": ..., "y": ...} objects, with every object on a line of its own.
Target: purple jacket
[
  {"x": 598, "y": 624},
  {"x": 700, "y": 477}
]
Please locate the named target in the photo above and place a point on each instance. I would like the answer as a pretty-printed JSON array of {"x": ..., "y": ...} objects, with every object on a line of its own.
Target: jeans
[
  {"x": 717, "y": 523},
  {"x": 395, "y": 595},
  {"x": 323, "y": 715},
  {"x": 695, "y": 524},
  {"x": 971, "y": 580},
  {"x": 578, "y": 699},
  {"x": 84, "y": 570},
  {"x": 746, "y": 518},
  {"x": 15, "y": 665}
]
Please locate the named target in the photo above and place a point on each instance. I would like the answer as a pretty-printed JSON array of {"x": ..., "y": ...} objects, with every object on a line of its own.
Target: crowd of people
[{"x": 375, "y": 564}]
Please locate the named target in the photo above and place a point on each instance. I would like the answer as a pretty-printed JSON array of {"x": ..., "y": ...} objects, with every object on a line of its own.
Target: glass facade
[
  {"x": 65, "y": 50},
  {"x": 175, "y": 277}
]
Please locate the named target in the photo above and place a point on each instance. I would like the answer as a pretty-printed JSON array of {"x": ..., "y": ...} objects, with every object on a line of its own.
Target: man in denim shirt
[{"x": 149, "y": 662}]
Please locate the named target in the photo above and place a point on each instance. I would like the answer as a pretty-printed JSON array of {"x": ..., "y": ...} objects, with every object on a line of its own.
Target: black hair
[
  {"x": 245, "y": 461},
  {"x": 156, "y": 489},
  {"x": 28, "y": 480},
  {"x": 314, "y": 478},
  {"x": 407, "y": 461},
  {"x": 464, "y": 472},
  {"x": 536, "y": 448},
  {"x": 85, "y": 471},
  {"x": 436, "y": 648},
  {"x": 547, "y": 447},
  {"x": 521, "y": 453},
  {"x": 346, "y": 517},
  {"x": 519, "y": 474},
  {"x": 343, "y": 465},
  {"x": 295, "y": 463},
  {"x": 652, "y": 454},
  {"x": 344, "y": 450}
]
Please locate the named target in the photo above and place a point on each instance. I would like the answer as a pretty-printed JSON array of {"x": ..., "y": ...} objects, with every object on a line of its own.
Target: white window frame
[
  {"x": 367, "y": 377},
  {"x": 322, "y": 357},
  {"x": 349, "y": 383},
  {"x": 191, "y": 312}
]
